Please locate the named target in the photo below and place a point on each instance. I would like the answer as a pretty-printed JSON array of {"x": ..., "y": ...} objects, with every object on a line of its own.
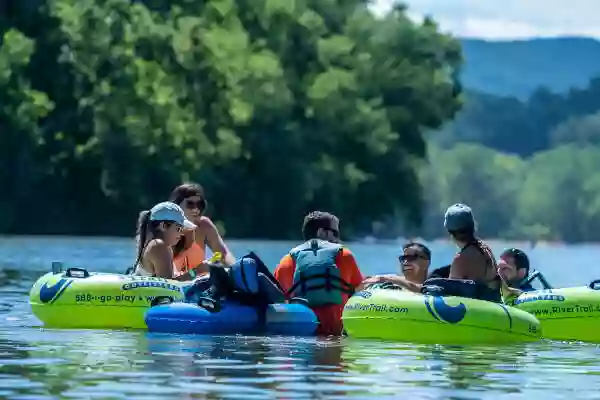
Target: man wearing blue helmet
[{"x": 475, "y": 260}]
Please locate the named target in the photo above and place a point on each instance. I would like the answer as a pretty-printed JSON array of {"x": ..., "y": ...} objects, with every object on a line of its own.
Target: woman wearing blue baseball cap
[
  {"x": 159, "y": 230},
  {"x": 475, "y": 260}
]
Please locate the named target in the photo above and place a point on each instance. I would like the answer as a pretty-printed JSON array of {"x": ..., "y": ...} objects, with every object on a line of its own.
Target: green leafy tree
[
  {"x": 582, "y": 131},
  {"x": 277, "y": 107},
  {"x": 484, "y": 179},
  {"x": 560, "y": 196}
]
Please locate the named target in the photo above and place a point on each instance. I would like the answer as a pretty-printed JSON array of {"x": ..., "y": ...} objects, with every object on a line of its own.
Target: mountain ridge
[{"x": 518, "y": 67}]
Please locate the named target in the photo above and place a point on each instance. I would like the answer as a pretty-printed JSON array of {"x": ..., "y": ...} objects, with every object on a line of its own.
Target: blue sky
[{"x": 504, "y": 19}]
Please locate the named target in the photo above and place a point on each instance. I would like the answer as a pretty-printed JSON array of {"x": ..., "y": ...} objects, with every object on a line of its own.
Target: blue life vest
[{"x": 317, "y": 278}]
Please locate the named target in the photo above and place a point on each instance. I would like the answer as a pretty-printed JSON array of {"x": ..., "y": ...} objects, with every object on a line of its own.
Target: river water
[{"x": 36, "y": 363}]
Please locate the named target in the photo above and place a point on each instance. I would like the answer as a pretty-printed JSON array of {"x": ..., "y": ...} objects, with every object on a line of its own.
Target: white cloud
[{"x": 508, "y": 18}]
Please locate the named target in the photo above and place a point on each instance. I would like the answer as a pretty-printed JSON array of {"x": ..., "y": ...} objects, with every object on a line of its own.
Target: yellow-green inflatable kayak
[
  {"x": 80, "y": 300},
  {"x": 567, "y": 313},
  {"x": 409, "y": 317}
]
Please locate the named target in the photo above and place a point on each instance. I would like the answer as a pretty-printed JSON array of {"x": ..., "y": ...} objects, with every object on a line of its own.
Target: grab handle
[
  {"x": 75, "y": 272},
  {"x": 593, "y": 284},
  {"x": 390, "y": 286},
  {"x": 539, "y": 276},
  {"x": 160, "y": 300}
]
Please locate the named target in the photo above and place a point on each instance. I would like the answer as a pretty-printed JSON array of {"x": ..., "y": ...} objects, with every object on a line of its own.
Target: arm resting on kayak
[
  {"x": 395, "y": 279},
  {"x": 509, "y": 294}
]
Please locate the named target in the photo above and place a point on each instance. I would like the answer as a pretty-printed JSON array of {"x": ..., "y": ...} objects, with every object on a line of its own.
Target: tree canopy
[
  {"x": 528, "y": 168},
  {"x": 276, "y": 107},
  {"x": 279, "y": 108}
]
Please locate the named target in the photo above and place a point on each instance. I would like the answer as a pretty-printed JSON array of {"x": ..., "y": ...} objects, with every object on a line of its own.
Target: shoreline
[{"x": 368, "y": 240}]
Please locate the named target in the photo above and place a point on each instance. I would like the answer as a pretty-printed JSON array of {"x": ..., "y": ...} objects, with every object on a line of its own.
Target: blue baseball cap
[
  {"x": 171, "y": 212},
  {"x": 459, "y": 217}
]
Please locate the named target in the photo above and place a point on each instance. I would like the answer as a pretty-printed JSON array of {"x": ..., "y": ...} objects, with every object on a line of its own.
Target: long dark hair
[
  {"x": 182, "y": 192},
  {"x": 468, "y": 236},
  {"x": 144, "y": 227},
  {"x": 178, "y": 195}
]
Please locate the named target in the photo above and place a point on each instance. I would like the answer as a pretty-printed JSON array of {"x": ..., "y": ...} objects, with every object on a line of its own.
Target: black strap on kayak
[
  {"x": 331, "y": 282},
  {"x": 209, "y": 303},
  {"x": 75, "y": 272},
  {"x": 593, "y": 284},
  {"x": 160, "y": 300},
  {"x": 540, "y": 277},
  {"x": 386, "y": 286}
]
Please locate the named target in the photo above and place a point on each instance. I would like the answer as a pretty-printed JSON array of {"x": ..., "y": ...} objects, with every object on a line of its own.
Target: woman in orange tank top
[{"x": 190, "y": 252}]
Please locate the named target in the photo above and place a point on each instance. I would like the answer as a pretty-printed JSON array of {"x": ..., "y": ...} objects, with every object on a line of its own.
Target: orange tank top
[{"x": 189, "y": 258}]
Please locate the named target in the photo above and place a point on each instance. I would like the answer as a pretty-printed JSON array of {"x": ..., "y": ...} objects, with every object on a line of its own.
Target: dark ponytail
[
  {"x": 466, "y": 235},
  {"x": 142, "y": 235},
  {"x": 469, "y": 237}
]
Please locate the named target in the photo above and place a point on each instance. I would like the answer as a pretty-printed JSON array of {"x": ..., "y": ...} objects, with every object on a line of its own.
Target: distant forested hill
[{"x": 517, "y": 68}]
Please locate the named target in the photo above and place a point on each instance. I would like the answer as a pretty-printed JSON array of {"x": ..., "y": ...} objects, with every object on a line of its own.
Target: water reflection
[
  {"x": 289, "y": 366},
  {"x": 82, "y": 363},
  {"x": 430, "y": 366},
  {"x": 136, "y": 364}
]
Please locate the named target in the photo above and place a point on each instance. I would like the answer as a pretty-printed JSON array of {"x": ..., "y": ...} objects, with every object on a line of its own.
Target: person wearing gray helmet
[{"x": 474, "y": 260}]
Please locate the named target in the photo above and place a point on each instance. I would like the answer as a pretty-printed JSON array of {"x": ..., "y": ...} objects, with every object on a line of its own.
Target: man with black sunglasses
[
  {"x": 321, "y": 271},
  {"x": 414, "y": 264}
]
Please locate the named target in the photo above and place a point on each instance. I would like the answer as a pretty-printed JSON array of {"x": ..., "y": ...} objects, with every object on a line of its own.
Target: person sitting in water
[
  {"x": 321, "y": 271},
  {"x": 475, "y": 261},
  {"x": 190, "y": 250},
  {"x": 159, "y": 230},
  {"x": 513, "y": 268},
  {"x": 414, "y": 263}
]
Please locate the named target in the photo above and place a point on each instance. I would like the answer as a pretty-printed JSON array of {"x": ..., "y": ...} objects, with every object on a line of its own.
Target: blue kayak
[{"x": 232, "y": 318}]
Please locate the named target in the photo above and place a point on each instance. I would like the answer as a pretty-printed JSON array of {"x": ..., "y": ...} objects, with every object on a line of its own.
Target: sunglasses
[
  {"x": 168, "y": 224},
  {"x": 200, "y": 204},
  {"x": 403, "y": 258}
]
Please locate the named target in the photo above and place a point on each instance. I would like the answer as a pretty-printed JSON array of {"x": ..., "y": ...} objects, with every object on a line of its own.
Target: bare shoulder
[
  {"x": 205, "y": 224},
  {"x": 470, "y": 257},
  {"x": 462, "y": 264},
  {"x": 470, "y": 252},
  {"x": 157, "y": 246}
]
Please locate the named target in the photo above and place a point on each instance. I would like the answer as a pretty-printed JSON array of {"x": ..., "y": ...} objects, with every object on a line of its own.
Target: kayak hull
[
  {"x": 570, "y": 314},
  {"x": 233, "y": 318},
  {"x": 98, "y": 301},
  {"x": 408, "y": 317}
]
